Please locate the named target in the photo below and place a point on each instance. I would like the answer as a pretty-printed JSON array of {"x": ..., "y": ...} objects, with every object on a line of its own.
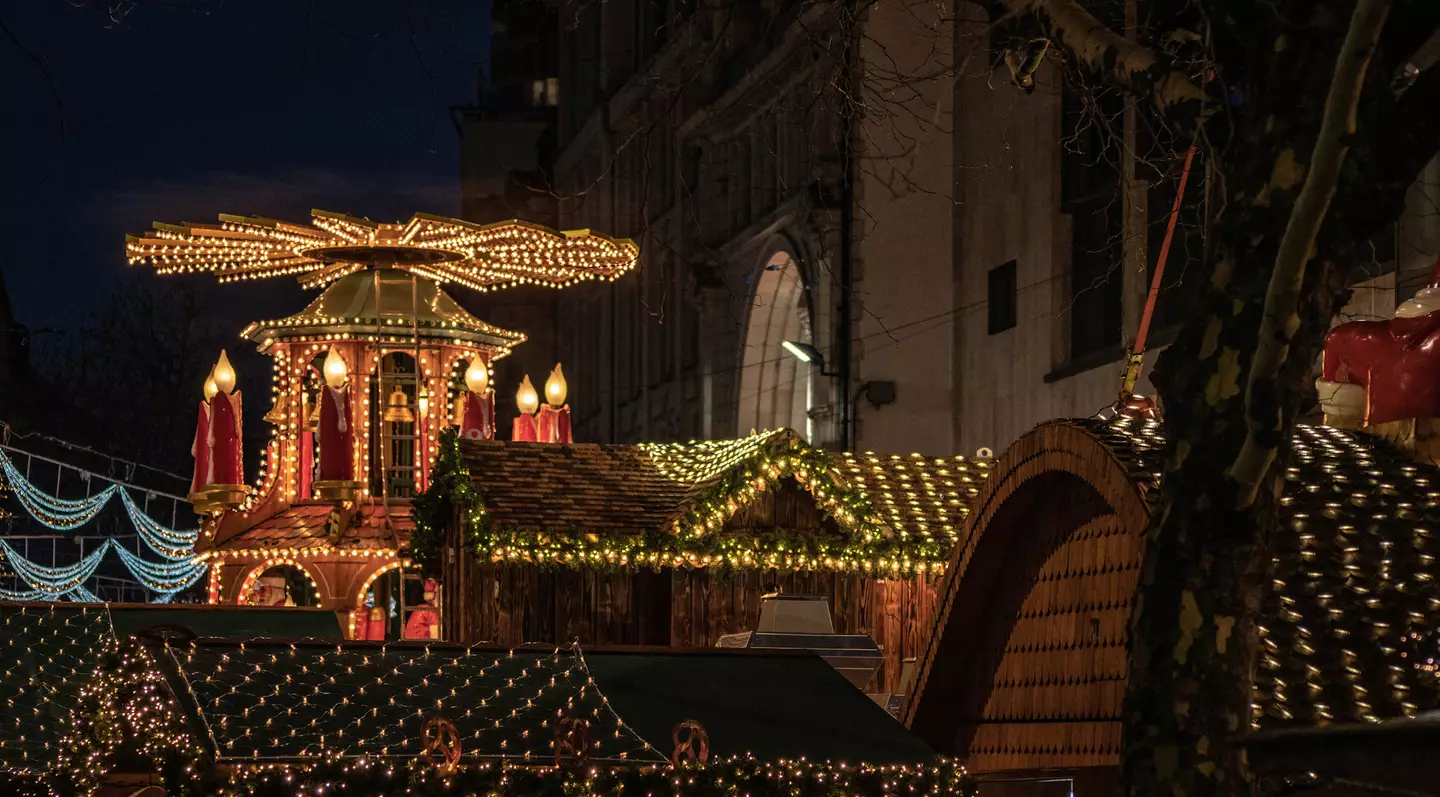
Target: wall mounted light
[{"x": 806, "y": 353}]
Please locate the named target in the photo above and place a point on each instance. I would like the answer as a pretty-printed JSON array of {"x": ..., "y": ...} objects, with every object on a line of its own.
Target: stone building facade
[{"x": 998, "y": 243}]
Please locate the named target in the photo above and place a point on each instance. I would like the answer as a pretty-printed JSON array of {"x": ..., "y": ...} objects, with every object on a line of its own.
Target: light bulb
[
  {"x": 477, "y": 378},
  {"x": 211, "y": 388},
  {"x": 525, "y": 397},
  {"x": 223, "y": 374},
  {"x": 424, "y": 402},
  {"x": 335, "y": 370},
  {"x": 555, "y": 387}
]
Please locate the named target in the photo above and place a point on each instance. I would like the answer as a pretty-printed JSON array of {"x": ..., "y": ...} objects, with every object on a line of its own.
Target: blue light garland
[
  {"x": 82, "y": 595},
  {"x": 173, "y": 544},
  {"x": 169, "y": 577},
  {"x": 58, "y": 514},
  {"x": 54, "y": 580},
  {"x": 179, "y": 572},
  {"x": 65, "y": 515}
]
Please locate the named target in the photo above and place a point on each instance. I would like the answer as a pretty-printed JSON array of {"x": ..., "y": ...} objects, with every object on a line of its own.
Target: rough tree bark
[
  {"x": 1282, "y": 298},
  {"x": 1193, "y": 641}
]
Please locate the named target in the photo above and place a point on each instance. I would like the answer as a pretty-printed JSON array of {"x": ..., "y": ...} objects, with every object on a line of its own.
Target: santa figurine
[{"x": 424, "y": 622}]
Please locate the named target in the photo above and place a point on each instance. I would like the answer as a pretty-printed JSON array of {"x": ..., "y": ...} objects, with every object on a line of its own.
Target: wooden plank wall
[
  {"x": 682, "y": 608},
  {"x": 513, "y": 604}
]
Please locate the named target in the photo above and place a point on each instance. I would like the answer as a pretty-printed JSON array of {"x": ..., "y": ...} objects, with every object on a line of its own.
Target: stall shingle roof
[{"x": 651, "y": 486}]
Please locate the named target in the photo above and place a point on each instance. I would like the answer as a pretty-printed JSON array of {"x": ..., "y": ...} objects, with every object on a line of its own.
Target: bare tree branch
[
  {"x": 1124, "y": 63},
  {"x": 1281, "y": 320}
]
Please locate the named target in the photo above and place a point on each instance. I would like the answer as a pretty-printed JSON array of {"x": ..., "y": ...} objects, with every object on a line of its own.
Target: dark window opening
[
  {"x": 1002, "y": 298},
  {"x": 1090, "y": 194}
]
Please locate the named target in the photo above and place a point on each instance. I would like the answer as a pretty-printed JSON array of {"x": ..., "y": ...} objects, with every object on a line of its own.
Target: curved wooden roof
[{"x": 1026, "y": 666}]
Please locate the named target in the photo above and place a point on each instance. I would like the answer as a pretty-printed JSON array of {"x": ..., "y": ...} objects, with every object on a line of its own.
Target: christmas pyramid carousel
[{"x": 364, "y": 380}]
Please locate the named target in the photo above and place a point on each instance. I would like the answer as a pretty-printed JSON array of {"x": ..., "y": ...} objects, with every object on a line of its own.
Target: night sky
[{"x": 190, "y": 108}]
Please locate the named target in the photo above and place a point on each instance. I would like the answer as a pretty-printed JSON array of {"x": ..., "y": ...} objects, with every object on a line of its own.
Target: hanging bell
[
  {"x": 276, "y": 415},
  {"x": 399, "y": 409},
  {"x": 312, "y": 421}
]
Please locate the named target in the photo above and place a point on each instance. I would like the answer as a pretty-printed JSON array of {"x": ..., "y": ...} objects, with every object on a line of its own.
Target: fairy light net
[
  {"x": 265, "y": 702},
  {"x": 49, "y": 654}
]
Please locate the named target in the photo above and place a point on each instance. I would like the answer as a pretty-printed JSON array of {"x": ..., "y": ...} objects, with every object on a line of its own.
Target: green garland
[
  {"x": 450, "y": 487},
  {"x": 865, "y": 545}
]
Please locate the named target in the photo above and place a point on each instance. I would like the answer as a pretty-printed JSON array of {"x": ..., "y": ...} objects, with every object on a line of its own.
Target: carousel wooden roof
[
  {"x": 1344, "y": 630},
  {"x": 302, "y": 527},
  {"x": 334, "y": 245}
]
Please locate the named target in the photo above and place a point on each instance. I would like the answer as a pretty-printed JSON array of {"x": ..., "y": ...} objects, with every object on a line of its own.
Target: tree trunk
[{"x": 1194, "y": 641}]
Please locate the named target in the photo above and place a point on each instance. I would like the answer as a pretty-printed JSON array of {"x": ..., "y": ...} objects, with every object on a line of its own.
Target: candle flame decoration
[
  {"x": 211, "y": 388},
  {"x": 335, "y": 370},
  {"x": 477, "y": 377},
  {"x": 526, "y": 398},
  {"x": 555, "y": 388},
  {"x": 223, "y": 375}
]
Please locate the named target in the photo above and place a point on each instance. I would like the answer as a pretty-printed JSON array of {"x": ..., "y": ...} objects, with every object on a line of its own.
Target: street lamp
[
  {"x": 880, "y": 392},
  {"x": 806, "y": 353}
]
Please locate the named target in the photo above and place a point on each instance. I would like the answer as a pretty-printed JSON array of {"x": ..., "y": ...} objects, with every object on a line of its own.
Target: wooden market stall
[
  {"x": 1024, "y": 674},
  {"x": 675, "y": 544}
]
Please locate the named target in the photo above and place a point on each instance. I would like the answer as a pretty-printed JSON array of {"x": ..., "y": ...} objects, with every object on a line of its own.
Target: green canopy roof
[
  {"x": 49, "y": 652},
  {"x": 774, "y": 705}
]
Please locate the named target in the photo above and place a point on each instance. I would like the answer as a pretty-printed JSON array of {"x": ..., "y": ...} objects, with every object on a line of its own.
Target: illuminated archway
[
  {"x": 362, "y": 606},
  {"x": 300, "y": 586},
  {"x": 776, "y": 388}
]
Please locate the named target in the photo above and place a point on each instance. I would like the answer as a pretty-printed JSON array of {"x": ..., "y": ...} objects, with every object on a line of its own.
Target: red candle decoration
[
  {"x": 225, "y": 430},
  {"x": 477, "y": 409},
  {"x": 200, "y": 448},
  {"x": 545, "y": 425},
  {"x": 523, "y": 430},
  {"x": 337, "y": 436},
  {"x": 225, "y": 427},
  {"x": 555, "y": 415},
  {"x": 337, "y": 427},
  {"x": 562, "y": 431},
  {"x": 479, "y": 417}
]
